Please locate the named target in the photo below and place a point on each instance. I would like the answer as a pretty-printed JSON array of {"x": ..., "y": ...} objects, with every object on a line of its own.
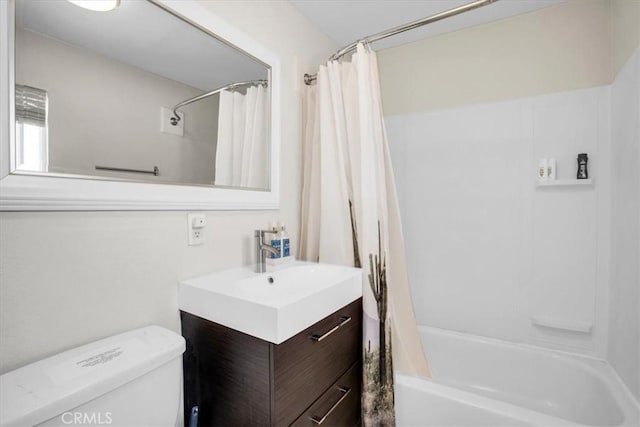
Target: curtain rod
[
  {"x": 176, "y": 118},
  {"x": 309, "y": 78}
]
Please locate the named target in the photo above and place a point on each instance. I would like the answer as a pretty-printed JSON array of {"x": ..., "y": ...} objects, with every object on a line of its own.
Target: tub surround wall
[
  {"x": 624, "y": 327},
  {"x": 67, "y": 278},
  {"x": 488, "y": 250}
]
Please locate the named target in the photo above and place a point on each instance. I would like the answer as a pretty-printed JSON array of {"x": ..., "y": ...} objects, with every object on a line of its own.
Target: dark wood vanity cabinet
[{"x": 311, "y": 379}]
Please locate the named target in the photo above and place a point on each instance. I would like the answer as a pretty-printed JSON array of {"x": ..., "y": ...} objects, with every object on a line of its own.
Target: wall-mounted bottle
[
  {"x": 552, "y": 169},
  {"x": 583, "y": 173},
  {"x": 543, "y": 170}
]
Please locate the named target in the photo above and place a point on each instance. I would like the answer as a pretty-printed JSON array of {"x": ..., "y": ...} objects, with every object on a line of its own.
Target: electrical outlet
[{"x": 195, "y": 228}]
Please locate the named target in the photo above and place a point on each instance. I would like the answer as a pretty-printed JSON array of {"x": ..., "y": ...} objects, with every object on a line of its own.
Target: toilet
[{"x": 130, "y": 379}]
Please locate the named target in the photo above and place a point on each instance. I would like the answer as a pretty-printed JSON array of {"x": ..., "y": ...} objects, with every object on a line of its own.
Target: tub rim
[{"x": 600, "y": 368}]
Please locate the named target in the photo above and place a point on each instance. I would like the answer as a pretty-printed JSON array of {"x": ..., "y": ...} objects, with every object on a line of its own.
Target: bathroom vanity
[
  {"x": 279, "y": 348},
  {"x": 237, "y": 379}
]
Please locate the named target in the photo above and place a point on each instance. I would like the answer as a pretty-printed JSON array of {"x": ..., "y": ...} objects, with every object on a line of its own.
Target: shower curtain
[
  {"x": 350, "y": 216},
  {"x": 243, "y": 147}
]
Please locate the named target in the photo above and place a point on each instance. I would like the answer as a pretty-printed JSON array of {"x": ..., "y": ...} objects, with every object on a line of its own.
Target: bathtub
[{"x": 487, "y": 382}]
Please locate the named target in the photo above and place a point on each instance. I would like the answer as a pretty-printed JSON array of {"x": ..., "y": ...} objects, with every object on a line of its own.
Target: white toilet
[{"x": 131, "y": 379}]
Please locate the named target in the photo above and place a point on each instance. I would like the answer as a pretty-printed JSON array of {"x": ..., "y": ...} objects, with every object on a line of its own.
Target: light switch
[{"x": 198, "y": 221}]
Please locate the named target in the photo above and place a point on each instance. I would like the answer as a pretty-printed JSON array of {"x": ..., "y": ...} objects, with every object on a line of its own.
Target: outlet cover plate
[{"x": 195, "y": 228}]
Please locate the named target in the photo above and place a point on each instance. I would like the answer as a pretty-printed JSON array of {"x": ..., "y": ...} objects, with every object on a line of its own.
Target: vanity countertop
[{"x": 275, "y": 305}]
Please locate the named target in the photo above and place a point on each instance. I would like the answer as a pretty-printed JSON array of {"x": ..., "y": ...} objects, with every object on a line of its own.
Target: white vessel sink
[{"x": 275, "y": 305}]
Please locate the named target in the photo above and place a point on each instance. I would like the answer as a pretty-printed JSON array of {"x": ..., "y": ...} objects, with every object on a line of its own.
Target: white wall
[
  {"x": 104, "y": 112},
  {"x": 487, "y": 250},
  {"x": 67, "y": 278},
  {"x": 624, "y": 326},
  {"x": 624, "y": 329}
]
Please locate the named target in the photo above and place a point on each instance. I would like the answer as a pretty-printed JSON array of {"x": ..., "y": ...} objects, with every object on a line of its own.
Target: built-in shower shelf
[
  {"x": 564, "y": 324},
  {"x": 564, "y": 182}
]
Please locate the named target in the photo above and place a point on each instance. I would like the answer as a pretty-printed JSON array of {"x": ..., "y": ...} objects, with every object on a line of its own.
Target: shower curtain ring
[{"x": 365, "y": 43}]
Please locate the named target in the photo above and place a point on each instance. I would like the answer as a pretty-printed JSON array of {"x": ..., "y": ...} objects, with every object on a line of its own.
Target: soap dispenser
[{"x": 285, "y": 242}]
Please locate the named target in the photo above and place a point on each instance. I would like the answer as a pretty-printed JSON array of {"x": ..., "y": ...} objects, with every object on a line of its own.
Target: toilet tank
[{"x": 130, "y": 379}]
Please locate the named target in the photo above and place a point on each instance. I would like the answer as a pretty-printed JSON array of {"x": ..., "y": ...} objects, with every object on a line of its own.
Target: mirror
[{"x": 137, "y": 93}]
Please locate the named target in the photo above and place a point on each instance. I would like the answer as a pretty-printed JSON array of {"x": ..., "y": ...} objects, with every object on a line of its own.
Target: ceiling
[
  {"x": 143, "y": 35},
  {"x": 345, "y": 21}
]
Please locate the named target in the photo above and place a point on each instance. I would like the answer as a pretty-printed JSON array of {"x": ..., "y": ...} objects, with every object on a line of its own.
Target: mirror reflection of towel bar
[{"x": 154, "y": 172}]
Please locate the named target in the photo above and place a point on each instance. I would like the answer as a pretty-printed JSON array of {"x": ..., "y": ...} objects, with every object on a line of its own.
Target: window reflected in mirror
[{"x": 31, "y": 129}]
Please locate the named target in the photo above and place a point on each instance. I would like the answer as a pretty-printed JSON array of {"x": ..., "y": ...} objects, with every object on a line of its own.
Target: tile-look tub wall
[{"x": 488, "y": 250}]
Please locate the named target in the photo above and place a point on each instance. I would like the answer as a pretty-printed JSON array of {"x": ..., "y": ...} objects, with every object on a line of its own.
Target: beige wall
[
  {"x": 69, "y": 278},
  {"x": 626, "y": 31},
  {"x": 555, "y": 49}
]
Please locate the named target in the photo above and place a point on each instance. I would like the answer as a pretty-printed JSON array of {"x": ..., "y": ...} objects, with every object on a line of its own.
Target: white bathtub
[{"x": 486, "y": 382}]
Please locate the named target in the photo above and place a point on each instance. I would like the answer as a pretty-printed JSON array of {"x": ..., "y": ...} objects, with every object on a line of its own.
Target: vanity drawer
[
  {"x": 307, "y": 365},
  {"x": 338, "y": 406}
]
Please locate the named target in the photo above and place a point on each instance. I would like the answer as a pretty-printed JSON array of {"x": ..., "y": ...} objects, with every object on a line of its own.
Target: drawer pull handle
[
  {"x": 343, "y": 321},
  {"x": 345, "y": 392}
]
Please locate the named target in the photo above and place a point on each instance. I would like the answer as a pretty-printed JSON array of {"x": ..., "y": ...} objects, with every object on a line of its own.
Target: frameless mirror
[{"x": 136, "y": 93}]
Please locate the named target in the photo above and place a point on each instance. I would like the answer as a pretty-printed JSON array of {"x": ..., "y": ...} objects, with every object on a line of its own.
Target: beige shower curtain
[
  {"x": 242, "y": 139},
  {"x": 350, "y": 216}
]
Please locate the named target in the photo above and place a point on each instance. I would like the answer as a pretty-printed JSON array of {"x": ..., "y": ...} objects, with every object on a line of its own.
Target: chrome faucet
[{"x": 261, "y": 250}]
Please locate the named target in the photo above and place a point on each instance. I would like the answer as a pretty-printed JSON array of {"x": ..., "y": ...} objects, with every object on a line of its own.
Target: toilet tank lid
[{"x": 40, "y": 391}]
